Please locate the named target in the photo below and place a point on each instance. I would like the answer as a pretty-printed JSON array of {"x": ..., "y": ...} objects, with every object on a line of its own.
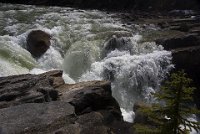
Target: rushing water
[{"x": 80, "y": 45}]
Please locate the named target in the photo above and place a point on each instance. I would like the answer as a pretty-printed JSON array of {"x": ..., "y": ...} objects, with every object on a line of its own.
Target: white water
[
  {"x": 133, "y": 77},
  {"x": 79, "y": 40}
]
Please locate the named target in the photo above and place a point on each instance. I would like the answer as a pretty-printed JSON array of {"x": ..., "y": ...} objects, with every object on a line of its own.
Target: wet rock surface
[
  {"x": 179, "y": 42},
  {"x": 38, "y": 42},
  {"x": 180, "y": 34},
  {"x": 94, "y": 109},
  {"x": 82, "y": 108},
  {"x": 91, "y": 96},
  {"x": 177, "y": 31},
  {"x": 115, "y": 43}
]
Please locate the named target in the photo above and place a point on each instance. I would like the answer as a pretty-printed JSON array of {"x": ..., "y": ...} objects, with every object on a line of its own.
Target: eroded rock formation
[
  {"x": 45, "y": 104},
  {"x": 28, "y": 88}
]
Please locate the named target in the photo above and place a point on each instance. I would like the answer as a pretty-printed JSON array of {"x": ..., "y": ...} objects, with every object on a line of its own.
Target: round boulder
[
  {"x": 121, "y": 44},
  {"x": 38, "y": 42}
]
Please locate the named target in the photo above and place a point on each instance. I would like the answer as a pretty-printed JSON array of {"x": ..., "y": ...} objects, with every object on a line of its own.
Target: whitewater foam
[{"x": 78, "y": 37}]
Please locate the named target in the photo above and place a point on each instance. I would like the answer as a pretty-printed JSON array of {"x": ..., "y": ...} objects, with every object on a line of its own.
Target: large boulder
[
  {"x": 97, "y": 111},
  {"x": 98, "y": 122},
  {"x": 115, "y": 43},
  {"x": 45, "y": 104},
  {"x": 90, "y": 96},
  {"x": 38, "y": 42},
  {"x": 178, "y": 42}
]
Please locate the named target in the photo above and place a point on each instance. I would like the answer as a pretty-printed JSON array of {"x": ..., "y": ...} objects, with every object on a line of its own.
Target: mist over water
[{"x": 86, "y": 45}]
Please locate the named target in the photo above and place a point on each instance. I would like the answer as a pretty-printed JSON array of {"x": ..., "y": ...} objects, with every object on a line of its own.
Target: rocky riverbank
[
  {"x": 45, "y": 104},
  {"x": 178, "y": 32}
]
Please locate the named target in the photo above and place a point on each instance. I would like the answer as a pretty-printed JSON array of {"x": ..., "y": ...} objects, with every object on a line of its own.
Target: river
[{"x": 79, "y": 47}]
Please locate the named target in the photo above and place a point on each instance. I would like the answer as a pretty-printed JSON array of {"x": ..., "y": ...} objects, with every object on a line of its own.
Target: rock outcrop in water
[
  {"x": 185, "y": 47},
  {"x": 186, "y": 53},
  {"x": 38, "y": 42},
  {"x": 179, "y": 32},
  {"x": 187, "y": 58},
  {"x": 121, "y": 44},
  {"x": 44, "y": 104}
]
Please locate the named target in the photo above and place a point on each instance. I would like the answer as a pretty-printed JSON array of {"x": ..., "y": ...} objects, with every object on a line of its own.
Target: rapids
[{"x": 79, "y": 39}]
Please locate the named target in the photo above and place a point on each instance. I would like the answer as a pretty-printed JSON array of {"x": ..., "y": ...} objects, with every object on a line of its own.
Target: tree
[{"x": 171, "y": 114}]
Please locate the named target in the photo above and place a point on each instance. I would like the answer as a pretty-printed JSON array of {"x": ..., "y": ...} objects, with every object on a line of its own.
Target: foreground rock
[
  {"x": 35, "y": 117},
  {"x": 38, "y": 42},
  {"x": 45, "y": 104},
  {"x": 91, "y": 96},
  {"x": 28, "y": 88}
]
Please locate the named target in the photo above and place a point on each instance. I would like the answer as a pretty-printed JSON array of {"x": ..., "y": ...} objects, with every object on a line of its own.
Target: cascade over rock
[
  {"x": 135, "y": 66},
  {"x": 121, "y": 44}
]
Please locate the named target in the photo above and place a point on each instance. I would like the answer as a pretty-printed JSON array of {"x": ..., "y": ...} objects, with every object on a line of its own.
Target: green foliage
[{"x": 170, "y": 115}]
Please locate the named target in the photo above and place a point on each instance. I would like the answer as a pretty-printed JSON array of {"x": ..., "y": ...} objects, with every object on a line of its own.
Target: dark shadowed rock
[
  {"x": 38, "y": 42},
  {"x": 188, "y": 59},
  {"x": 15, "y": 90},
  {"x": 179, "y": 41},
  {"x": 83, "y": 108},
  {"x": 98, "y": 122},
  {"x": 115, "y": 43},
  {"x": 98, "y": 112},
  {"x": 185, "y": 52},
  {"x": 105, "y": 123},
  {"x": 90, "y": 96},
  {"x": 35, "y": 117}
]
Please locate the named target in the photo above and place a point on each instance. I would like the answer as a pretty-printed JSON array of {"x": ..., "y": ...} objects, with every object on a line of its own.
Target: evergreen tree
[{"x": 171, "y": 114}]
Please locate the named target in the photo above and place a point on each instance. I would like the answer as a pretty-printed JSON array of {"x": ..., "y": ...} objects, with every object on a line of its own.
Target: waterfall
[
  {"x": 86, "y": 45},
  {"x": 135, "y": 74}
]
